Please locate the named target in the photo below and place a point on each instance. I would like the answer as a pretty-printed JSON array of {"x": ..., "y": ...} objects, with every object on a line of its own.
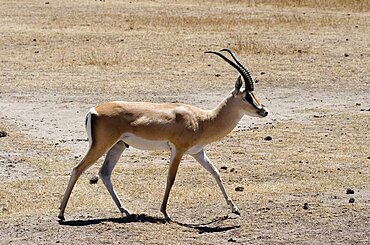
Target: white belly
[{"x": 144, "y": 144}]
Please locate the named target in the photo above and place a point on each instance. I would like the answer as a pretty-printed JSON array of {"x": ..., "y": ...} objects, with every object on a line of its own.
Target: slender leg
[
  {"x": 105, "y": 173},
  {"x": 92, "y": 155},
  {"x": 172, "y": 171},
  {"x": 202, "y": 158}
]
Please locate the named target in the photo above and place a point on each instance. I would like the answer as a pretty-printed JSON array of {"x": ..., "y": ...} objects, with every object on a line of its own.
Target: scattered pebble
[
  {"x": 346, "y": 55},
  {"x": 350, "y": 191},
  {"x": 94, "y": 180},
  {"x": 268, "y": 138},
  {"x": 305, "y": 206},
  {"x": 351, "y": 200},
  {"x": 233, "y": 170},
  {"x": 3, "y": 134},
  {"x": 231, "y": 240},
  {"x": 224, "y": 168},
  {"x": 239, "y": 188}
]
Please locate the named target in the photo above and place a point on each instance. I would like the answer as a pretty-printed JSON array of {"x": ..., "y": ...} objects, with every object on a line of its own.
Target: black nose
[{"x": 263, "y": 113}]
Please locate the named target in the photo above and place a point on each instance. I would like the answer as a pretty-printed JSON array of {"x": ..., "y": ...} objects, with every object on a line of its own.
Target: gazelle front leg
[
  {"x": 172, "y": 171},
  {"x": 202, "y": 158}
]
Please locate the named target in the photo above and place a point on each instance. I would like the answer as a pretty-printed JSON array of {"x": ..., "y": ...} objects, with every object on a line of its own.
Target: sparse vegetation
[
  {"x": 103, "y": 58},
  {"x": 349, "y": 5},
  {"x": 311, "y": 60},
  {"x": 250, "y": 46}
]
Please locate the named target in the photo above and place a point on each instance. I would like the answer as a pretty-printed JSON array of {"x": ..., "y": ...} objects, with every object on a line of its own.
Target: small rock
[
  {"x": 94, "y": 180},
  {"x": 232, "y": 240},
  {"x": 218, "y": 75},
  {"x": 3, "y": 134},
  {"x": 224, "y": 168},
  {"x": 268, "y": 138},
  {"x": 232, "y": 170},
  {"x": 350, "y": 191},
  {"x": 351, "y": 200},
  {"x": 239, "y": 188},
  {"x": 346, "y": 55},
  {"x": 305, "y": 206}
]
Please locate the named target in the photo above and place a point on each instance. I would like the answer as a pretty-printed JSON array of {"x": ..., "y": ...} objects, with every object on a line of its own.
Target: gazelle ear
[{"x": 238, "y": 85}]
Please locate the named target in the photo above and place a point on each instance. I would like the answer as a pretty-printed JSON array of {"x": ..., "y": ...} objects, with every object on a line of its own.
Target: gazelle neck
[{"x": 223, "y": 119}]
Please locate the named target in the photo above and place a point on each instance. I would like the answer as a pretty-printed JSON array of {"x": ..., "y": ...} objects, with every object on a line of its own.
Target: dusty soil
[{"x": 311, "y": 64}]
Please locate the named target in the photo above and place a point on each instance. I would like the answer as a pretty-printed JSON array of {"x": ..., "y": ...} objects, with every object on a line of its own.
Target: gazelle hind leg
[
  {"x": 91, "y": 157},
  {"x": 105, "y": 173},
  {"x": 202, "y": 158}
]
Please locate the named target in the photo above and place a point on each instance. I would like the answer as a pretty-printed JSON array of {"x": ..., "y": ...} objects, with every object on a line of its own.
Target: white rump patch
[{"x": 92, "y": 111}]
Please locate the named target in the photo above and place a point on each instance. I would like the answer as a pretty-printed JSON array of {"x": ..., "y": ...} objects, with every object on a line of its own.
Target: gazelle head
[{"x": 246, "y": 97}]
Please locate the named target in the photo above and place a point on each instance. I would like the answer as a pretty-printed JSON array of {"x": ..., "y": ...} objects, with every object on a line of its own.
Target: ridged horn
[
  {"x": 238, "y": 66},
  {"x": 247, "y": 73}
]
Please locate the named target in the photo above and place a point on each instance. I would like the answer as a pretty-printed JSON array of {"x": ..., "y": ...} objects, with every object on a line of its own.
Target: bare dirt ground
[{"x": 311, "y": 63}]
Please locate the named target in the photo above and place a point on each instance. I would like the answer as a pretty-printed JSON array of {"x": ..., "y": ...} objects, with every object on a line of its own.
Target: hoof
[
  {"x": 61, "y": 217},
  {"x": 167, "y": 220},
  {"x": 125, "y": 212},
  {"x": 236, "y": 211}
]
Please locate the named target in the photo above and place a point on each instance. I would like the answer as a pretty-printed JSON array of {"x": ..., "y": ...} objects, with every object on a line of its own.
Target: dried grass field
[{"x": 298, "y": 166}]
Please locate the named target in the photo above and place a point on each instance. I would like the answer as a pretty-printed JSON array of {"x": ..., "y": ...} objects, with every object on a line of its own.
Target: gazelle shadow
[{"x": 143, "y": 218}]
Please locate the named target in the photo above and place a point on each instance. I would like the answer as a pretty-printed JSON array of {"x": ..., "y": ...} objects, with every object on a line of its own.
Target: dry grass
[
  {"x": 245, "y": 44},
  {"x": 103, "y": 58},
  {"x": 70, "y": 55},
  {"x": 348, "y": 5}
]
